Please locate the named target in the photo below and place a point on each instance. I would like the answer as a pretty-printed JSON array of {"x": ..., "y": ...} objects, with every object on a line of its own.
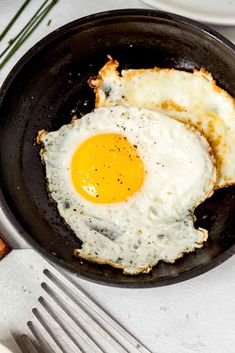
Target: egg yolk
[{"x": 106, "y": 168}]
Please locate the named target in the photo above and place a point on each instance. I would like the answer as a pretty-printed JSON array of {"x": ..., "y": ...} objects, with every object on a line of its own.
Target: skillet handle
[{"x": 4, "y": 249}]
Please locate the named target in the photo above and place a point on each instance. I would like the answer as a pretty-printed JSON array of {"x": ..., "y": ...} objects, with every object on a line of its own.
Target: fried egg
[
  {"x": 127, "y": 181},
  {"x": 193, "y": 98}
]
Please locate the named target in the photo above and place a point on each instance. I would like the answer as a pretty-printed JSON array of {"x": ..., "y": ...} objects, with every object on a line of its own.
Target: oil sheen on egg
[
  {"x": 126, "y": 181},
  {"x": 192, "y": 98}
]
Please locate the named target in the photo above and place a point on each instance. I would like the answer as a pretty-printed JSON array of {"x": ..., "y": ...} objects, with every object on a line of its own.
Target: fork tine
[
  {"x": 24, "y": 344},
  {"x": 30, "y": 346},
  {"x": 44, "y": 338},
  {"x": 55, "y": 331},
  {"x": 48, "y": 303},
  {"x": 56, "y": 291},
  {"x": 61, "y": 281}
]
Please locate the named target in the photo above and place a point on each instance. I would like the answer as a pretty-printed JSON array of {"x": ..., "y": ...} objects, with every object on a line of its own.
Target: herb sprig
[
  {"x": 26, "y": 31},
  {"x": 12, "y": 21}
]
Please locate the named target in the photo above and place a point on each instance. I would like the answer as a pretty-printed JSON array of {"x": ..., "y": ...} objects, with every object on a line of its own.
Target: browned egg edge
[
  {"x": 96, "y": 82},
  {"x": 38, "y": 139},
  {"x": 146, "y": 269}
]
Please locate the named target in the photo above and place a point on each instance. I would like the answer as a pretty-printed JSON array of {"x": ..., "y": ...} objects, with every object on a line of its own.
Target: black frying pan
[{"x": 51, "y": 80}]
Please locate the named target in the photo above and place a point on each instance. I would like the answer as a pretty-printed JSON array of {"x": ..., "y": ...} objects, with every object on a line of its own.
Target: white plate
[
  {"x": 4, "y": 349},
  {"x": 209, "y": 11}
]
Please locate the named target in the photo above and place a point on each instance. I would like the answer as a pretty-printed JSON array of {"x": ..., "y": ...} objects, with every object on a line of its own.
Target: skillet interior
[{"x": 51, "y": 80}]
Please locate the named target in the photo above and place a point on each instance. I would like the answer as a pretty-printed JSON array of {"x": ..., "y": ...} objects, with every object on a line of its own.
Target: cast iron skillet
[{"x": 50, "y": 81}]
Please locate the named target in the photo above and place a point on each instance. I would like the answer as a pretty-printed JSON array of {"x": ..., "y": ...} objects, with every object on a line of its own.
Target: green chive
[
  {"x": 12, "y": 21},
  {"x": 12, "y": 40},
  {"x": 26, "y": 31}
]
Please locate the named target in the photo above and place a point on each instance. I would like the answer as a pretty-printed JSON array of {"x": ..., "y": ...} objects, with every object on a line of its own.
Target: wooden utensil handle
[{"x": 4, "y": 249}]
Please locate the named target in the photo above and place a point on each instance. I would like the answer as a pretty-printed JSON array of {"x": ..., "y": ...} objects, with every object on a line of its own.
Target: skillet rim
[{"x": 3, "y": 202}]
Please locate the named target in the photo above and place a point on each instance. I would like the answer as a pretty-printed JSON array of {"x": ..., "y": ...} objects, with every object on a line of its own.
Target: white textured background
[{"x": 196, "y": 316}]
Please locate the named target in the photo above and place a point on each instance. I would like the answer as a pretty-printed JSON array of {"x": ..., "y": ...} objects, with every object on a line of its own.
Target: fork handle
[{"x": 4, "y": 249}]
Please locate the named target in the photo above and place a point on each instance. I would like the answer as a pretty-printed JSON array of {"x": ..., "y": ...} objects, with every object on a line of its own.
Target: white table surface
[{"x": 195, "y": 316}]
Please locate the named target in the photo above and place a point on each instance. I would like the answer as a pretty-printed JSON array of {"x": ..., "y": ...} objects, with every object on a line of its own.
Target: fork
[{"x": 67, "y": 320}]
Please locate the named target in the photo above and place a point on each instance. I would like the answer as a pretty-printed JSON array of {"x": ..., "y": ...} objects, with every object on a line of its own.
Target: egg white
[
  {"x": 192, "y": 98},
  {"x": 156, "y": 223}
]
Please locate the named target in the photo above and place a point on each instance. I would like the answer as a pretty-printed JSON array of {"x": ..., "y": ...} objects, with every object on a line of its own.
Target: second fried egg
[{"x": 193, "y": 98}]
